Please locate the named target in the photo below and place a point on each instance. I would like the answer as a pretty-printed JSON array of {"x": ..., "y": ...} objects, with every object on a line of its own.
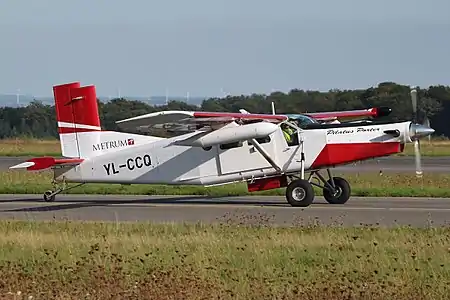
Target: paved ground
[
  {"x": 385, "y": 164},
  {"x": 266, "y": 210},
  {"x": 386, "y": 211}
]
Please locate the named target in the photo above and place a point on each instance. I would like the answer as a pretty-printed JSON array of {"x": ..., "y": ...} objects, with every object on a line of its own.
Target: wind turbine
[
  {"x": 18, "y": 97},
  {"x": 225, "y": 94},
  {"x": 167, "y": 96}
]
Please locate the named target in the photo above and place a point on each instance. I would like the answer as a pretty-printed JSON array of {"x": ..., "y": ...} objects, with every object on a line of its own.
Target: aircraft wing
[
  {"x": 177, "y": 121},
  {"x": 186, "y": 121},
  {"x": 351, "y": 115}
]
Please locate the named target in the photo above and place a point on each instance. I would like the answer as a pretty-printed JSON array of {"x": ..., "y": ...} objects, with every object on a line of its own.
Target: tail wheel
[
  {"x": 48, "y": 197},
  {"x": 300, "y": 193},
  {"x": 342, "y": 191}
]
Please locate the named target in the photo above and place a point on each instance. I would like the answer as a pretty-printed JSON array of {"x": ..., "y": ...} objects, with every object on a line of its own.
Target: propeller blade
[
  {"x": 426, "y": 122},
  {"x": 419, "y": 172},
  {"x": 414, "y": 103}
]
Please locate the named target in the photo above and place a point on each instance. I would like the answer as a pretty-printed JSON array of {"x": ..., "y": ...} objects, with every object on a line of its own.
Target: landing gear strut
[
  {"x": 300, "y": 193},
  {"x": 50, "y": 195}
]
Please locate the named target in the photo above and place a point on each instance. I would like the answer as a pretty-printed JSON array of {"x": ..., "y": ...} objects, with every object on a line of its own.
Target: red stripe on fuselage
[{"x": 335, "y": 154}]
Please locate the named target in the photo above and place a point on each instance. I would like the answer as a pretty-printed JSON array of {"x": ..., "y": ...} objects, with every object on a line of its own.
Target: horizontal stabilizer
[{"x": 42, "y": 163}]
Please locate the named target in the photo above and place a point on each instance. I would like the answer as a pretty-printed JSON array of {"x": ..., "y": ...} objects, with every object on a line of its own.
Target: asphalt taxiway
[
  {"x": 399, "y": 164},
  {"x": 254, "y": 209},
  {"x": 267, "y": 210}
]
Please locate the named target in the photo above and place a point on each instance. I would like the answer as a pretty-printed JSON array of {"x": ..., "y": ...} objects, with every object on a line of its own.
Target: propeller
[
  {"x": 417, "y": 131},
  {"x": 417, "y": 156},
  {"x": 426, "y": 122}
]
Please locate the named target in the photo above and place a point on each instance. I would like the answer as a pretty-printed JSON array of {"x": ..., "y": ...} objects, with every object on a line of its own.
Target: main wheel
[
  {"x": 342, "y": 193},
  {"x": 300, "y": 193},
  {"x": 48, "y": 196}
]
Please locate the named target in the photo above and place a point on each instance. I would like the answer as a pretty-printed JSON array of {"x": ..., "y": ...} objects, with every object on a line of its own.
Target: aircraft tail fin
[
  {"x": 79, "y": 128},
  {"x": 77, "y": 117}
]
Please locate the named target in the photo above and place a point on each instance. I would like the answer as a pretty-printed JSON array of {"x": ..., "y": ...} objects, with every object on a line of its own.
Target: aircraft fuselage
[{"x": 166, "y": 162}]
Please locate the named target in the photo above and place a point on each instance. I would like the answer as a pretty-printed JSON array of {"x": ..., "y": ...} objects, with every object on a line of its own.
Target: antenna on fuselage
[{"x": 273, "y": 108}]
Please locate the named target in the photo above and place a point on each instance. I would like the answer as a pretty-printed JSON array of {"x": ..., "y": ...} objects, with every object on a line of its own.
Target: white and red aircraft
[{"x": 214, "y": 148}]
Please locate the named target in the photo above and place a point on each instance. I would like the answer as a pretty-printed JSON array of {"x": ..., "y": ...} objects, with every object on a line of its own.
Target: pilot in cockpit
[
  {"x": 290, "y": 134},
  {"x": 287, "y": 132}
]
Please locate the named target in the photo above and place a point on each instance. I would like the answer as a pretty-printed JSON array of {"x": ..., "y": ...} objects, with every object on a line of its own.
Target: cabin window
[
  {"x": 262, "y": 140},
  {"x": 231, "y": 145}
]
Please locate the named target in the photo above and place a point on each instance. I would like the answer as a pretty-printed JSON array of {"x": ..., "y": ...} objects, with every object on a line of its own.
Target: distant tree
[{"x": 38, "y": 120}]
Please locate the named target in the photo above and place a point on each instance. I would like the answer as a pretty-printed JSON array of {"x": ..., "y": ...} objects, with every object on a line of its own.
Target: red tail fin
[
  {"x": 79, "y": 128},
  {"x": 76, "y": 108}
]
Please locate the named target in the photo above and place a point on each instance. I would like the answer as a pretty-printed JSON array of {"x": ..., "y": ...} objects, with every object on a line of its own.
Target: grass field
[
  {"x": 69, "y": 260},
  {"x": 431, "y": 185},
  {"x": 29, "y": 147},
  {"x": 33, "y": 147}
]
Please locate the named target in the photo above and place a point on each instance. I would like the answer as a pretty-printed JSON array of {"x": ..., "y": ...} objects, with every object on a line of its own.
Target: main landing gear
[
  {"x": 300, "y": 192},
  {"x": 50, "y": 195}
]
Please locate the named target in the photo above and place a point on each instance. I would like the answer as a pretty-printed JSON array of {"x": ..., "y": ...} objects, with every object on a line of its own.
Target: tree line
[{"x": 39, "y": 121}]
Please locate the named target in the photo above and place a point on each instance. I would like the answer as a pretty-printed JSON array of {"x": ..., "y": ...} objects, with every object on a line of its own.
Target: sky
[{"x": 212, "y": 47}]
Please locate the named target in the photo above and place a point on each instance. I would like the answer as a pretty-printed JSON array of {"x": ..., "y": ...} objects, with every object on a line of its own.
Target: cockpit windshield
[{"x": 302, "y": 120}]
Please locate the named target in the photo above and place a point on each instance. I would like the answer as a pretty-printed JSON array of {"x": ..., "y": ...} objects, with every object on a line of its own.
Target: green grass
[
  {"x": 29, "y": 147},
  {"x": 432, "y": 148},
  {"x": 51, "y": 147},
  {"x": 71, "y": 260},
  {"x": 364, "y": 184}
]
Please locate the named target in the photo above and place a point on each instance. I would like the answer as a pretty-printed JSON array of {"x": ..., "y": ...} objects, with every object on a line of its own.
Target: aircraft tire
[
  {"x": 48, "y": 197},
  {"x": 300, "y": 193},
  {"x": 344, "y": 191}
]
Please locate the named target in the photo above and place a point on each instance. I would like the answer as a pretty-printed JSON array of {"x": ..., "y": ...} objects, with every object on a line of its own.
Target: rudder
[{"x": 77, "y": 114}]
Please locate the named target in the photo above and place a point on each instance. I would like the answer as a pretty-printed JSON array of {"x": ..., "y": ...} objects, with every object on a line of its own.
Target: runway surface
[
  {"x": 268, "y": 210},
  {"x": 255, "y": 209},
  {"x": 396, "y": 164}
]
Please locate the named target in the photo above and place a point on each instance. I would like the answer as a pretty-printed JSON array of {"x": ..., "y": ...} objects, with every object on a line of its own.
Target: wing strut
[{"x": 265, "y": 154}]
